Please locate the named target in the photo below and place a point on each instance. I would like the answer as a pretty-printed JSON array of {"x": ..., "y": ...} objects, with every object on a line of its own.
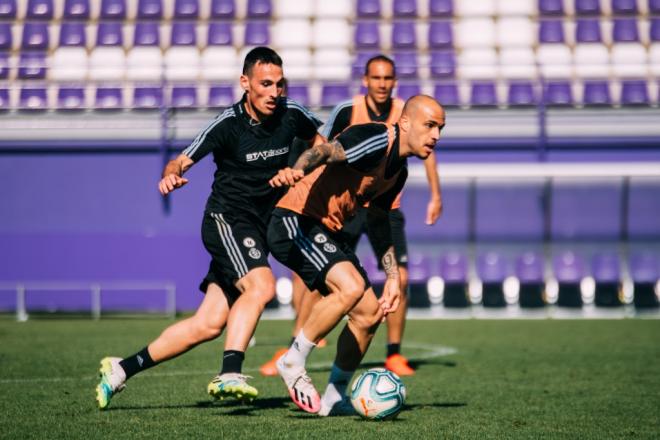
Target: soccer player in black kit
[{"x": 250, "y": 142}]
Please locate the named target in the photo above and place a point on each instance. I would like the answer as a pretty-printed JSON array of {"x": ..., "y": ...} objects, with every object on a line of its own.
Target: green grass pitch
[{"x": 476, "y": 379}]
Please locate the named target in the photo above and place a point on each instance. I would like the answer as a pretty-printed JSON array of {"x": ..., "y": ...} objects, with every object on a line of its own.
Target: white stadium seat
[
  {"x": 333, "y": 32},
  {"x": 474, "y": 32},
  {"x": 591, "y": 60},
  {"x": 291, "y": 33},
  {"x": 220, "y": 63}
]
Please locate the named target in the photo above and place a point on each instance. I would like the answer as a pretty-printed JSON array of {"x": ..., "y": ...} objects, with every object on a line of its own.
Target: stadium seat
[
  {"x": 257, "y": 33},
  {"x": 186, "y": 9},
  {"x": 420, "y": 268},
  {"x": 441, "y": 8},
  {"x": 113, "y": 10},
  {"x": 625, "y": 30},
  {"x": 483, "y": 94},
  {"x": 147, "y": 97},
  {"x": 530, "y": 273},
  {"x": 76, "y": 9},
  {"x": 474, "y": 33},
  {"x": 259, "y": 9},
  {"x": 624, "y": 7},
  {"x": 184, "y": 97},
  {"x": 481, "y": 8},
  {"x": 521, "y": 93},
  {"x": 298, "y": 65},
  {"x": 591, "y": 61},
  {"x": 406, "y": 65},
  {"x": 654, "y": 6},
  {"x": 35, "y": 36},
  {"x": 4, "y": 65},
  {"x": 223, "y": 10},
  {"x": 479, "y": 64},
  {"x": 33, "y": 98},
  {"x": 606, "y": 272},
  {"x": 404, "y": 35},
  {"x": 291, "y": 33},
  {"x": 447, "y": 94},
  {"x": 7, "y": 10},
  {"x": 368, "y": 8},
  {"x": 634, "y": 93},
  {"x": 219, "y": 34},
  {"x": 144, "y": 64},
  {"x": 551, "y": 7},
  {"x": 515, "y": 32},
  {"x": 146, "y": 34},
  {"x": 4, "y": 100},
  {"x": 334, "y": 9},
  {"x": 333, "y": 94},
  {"x": 32, "y": 65},
  {"x": 72, "y": 34},
  {"x": 6, "y": 40},
  {"x": 404, "y": 8},
  {"x": 405, "y": 90},
  {"x": 149, "y": 10},
  {"x": 629, "y": 60},
  {"x": 492, "y": 270},
  {"x": 299, "y": 92},
  {"x": 332, "y": 65},
  {"x": 596, "y": 93},
  {"x": 220, "y": 96},
  {"x": 443, "y": 64},
  {"x": 517, "y": 63},
  {"x": 40, "y": 10},
  {"x": 588, "y": 31},
  {"x": 331, "y": 33},
  {"x": 569, "y": 270},
  {"x": 454, "y": 272},
  {"x": 587, "y": 7},
  {"x": 367, "y": 35},
  {"x": 109, "y": 34},
  {"x": 68, "y": 62},
  {"x": 359, "y": 61},
  {"x": 645, "y": 273},
  {"x": 71, "y": 98},
  {"x": 551, "y": 31},
  {"x": 183, "y": 34},
  {"x": 219, "y": 64},
  {"x": 515, "y": 8},
  {"x": 654, "y": 31},
  {"x": 440, "y": 35},
  {"x": 286, "y": 9},
  {"x": 555, "y": 63},
  {"x": 108, "y": 98}
]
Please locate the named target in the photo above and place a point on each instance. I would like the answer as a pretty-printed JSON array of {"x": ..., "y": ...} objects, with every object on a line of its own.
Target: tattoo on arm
[
  {"x": 389, "y": 263},
  {"x": 328, "y": 152}
]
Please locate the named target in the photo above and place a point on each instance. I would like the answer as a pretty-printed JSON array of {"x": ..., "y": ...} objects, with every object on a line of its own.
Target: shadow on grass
[
  {"x": 235, "y": 407},
  {"x": 414, "y": 363},
  {"x": 297, "y": 414}
]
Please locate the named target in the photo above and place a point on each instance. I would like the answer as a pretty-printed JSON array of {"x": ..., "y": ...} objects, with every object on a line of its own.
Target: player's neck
[
  {"x": 379, "y": 109},
  {"x": 404, "y": 149},
  {"x": 253, "y": 113}
]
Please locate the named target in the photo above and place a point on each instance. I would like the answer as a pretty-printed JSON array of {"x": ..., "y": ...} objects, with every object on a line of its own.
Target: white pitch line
[{"x": 431, "y": 351}]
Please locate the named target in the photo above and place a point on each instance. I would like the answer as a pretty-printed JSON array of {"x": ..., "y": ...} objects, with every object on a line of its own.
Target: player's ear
[
  {"x": 404, "y": 122},
  {"x": 364, "y": 81},
  {"x": 245, "y": 82}
]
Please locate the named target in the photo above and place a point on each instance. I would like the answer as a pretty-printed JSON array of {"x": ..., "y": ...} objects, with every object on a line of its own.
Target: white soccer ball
[{"x": 378, "y": 394}]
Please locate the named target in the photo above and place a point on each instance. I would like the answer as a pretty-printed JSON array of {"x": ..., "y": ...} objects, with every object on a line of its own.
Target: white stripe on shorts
[{"x": 231, "y": 246}]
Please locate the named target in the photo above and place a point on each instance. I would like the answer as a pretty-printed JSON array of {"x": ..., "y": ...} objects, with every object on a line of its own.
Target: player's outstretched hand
[
  {"x": 286, "y": 177},
  {"x": 433, "y": 211},
  {"x": 389, "y": 300},
  {"x": 171, "y": 182}
]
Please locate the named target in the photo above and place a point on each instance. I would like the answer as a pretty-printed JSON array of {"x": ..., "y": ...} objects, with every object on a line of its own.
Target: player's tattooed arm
[
  {"x": 378, "y": 222},
  {"x": 326, "y": 152}
]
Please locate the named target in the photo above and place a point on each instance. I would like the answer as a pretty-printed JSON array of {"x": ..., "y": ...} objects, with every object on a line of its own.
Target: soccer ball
[{"x": 378, "y": 394}]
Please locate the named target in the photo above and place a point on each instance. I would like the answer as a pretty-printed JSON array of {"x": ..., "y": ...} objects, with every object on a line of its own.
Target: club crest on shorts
[
  {"x": 320, "y": 238},
  {"x": 254, "y": 253},
  {"x": 249, "y": 242},
  {"x": 330, "y": 248}
]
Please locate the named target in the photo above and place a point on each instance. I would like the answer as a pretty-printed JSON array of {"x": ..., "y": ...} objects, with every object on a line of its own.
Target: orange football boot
[
  {"x": 269, "y": 368},
  {"x": 398, "y": 364}
]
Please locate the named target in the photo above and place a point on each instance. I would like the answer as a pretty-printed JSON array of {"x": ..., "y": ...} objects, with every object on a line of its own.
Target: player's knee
[
  {"x": 352, "y": 292},
  {"x": 206, "y": 329}
]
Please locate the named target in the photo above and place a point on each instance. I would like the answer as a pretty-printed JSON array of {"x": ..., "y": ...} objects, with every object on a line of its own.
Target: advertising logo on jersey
[{"x": 251, "y": 157}]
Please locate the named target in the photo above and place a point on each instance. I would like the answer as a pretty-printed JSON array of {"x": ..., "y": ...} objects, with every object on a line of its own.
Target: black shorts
[
  {"x": 308, "y": 248},
  {"x": 355, "y": 227},
  {"x": 237, "y": 245}
]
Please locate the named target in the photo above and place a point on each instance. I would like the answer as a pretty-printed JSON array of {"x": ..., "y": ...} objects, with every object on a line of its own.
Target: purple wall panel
[
  {"x": 644, "y": 209},
  {"x": 452, "y": 225}
]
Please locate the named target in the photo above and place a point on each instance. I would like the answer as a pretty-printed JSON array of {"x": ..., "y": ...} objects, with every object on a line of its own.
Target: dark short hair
[
  {"x": 379, "y": 58},
  {"x": 260, "y": 55}
]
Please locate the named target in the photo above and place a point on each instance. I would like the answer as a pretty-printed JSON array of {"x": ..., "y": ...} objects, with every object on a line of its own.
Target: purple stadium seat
[
  {"x": 368, "y": 8},
  {"x": 404, "y": 8},
  {"x": 440, "y": 35},
  {"x": 184, "y": 97},
  {"x": 588, "y": 31},
  {"x": 406, "y": 64},
  {"x": 33, "y": 98},
  {"x": 186, "y": 9},
  {"x": 624, "y": 7},
  {"x": 625, "y": 30},
  {"x": 447, "y": 94},
  {"x": 420, "y": 269},
  {"x": 183, "y": 33},
  {"x": 113, "y": 9},
  {"x": 454, "y": 272},
  {"x": 72, "y": 33},
  {"x": 223, "y": 9},
  {"x": 443, "y": 64},
  {"x": 333, "y": 94},
  {"x": 551, "y": 31},
  {"x": 259, "y": 9},
  {"x": 483, "y": 93},
  {"x": 108, "y": 98},
  {"x": 521, "y": 93},
  {"x": 39, "y": 10},
  {"x": 654, "y": 6},
  {"x": 299, "y": 93},
  {"x": 654, "y": 33},
  {"x": 76, "y": 9},
  {"x": 367, "y": 35},
  {"x": 551, "y": 7},
  {"x": 4, "y": 65},
  {"x": 220, "y": 96},
  {"x": 220, "y": 34},
  {"x": 5, "y": 36},
  {"x": 406, "y": 90},
  {"x": 441, "y": 8},
  {"x": 145, "y": 98},
  {"x": 492, "y": 270},
  {"x": 109, "y": 34},
  {"x": 530, "y": 273},
  {"x": 644, "y": 271},
  {"x": 32, "y": 65},
  {"x": 4, "y": 99},
  {"x": 359, "y": 62},
  {"x": 7, "y": 9},
  {"x": 606, "y": 271},
  {"x": 150, "y": 10},
  {"x": 35, "y": 36},
  {"x": 569, "y": 269},
  {"x": 558, "y": 93},
  {"x": 587, "y": 7},
  {"x": 634, "y": 92},
  {"x": 71, "y": 98},
  {"x": 596, "y": 93},
  {"x": 256, "y": 33},
  {"x": 403, "y": 35},
  {"x": 146, "y": 34}
]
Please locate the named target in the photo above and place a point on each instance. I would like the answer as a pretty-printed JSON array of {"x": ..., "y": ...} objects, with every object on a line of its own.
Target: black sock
[
  {"x": 393, "y": 349},
  {"x": 136, "y": 363},
  {"x": 232, "y": 361}
]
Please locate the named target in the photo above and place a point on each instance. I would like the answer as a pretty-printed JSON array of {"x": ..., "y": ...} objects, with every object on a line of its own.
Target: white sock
[
  {"x": 337, "y": 385},
  {"x": 299, "y": 350}
]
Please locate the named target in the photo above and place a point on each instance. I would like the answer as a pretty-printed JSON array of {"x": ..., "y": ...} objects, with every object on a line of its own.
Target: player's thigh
[{"x": 214, "y": 309}]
